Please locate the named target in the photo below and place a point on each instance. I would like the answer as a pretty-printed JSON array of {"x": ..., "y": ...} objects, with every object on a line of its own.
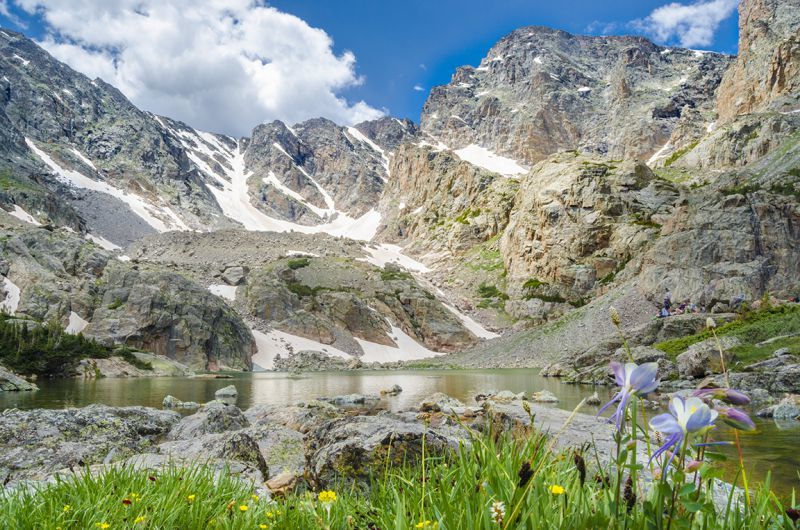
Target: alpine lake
[{"x": 773, "y": 449}]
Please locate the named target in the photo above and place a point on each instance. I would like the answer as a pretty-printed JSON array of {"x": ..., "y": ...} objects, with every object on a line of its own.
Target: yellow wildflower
[
  {"x": 243, "y": 508},
  {"x": 556, "y": 490},
  {"x": 254, "y": 497},
  {"x": 67, "y": 508},
  {"x": 427, "y": 524},
  {"x": 327, "y": 496},
  {"x": 102, "y": 525},
  {"x": 191, "y": 498},
  {"x": 262, "y": 526},
  {"x": 139, "y": 519}
]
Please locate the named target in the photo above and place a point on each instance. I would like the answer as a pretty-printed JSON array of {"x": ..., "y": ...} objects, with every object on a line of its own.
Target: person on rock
[{"x": 667, "y": 299}]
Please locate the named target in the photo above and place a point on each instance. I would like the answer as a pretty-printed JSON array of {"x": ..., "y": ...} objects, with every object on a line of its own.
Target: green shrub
[
  {"x": 116, "y": 304},
  {"x": 129, "y": 357},
  {"x": 390, "y": 275},
  {"x": 44, "y": 349},
  {"x": 298, "y": 263}
]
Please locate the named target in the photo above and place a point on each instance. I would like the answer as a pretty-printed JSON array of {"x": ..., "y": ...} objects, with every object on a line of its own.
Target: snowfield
[{"x": 482, "y": 157}]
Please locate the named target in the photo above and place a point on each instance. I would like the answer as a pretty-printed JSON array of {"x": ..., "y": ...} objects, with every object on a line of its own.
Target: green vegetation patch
[
  {"x": 130, "y": 357},
  {"x": 298, "y": 263},
  {"x": 389, "y": 275},
  {"x": 671, "y": 159},
  {"x": 750, "y": 328},
  {"x": 44, "y": 349},
  {"x": 468, "y": 214}
]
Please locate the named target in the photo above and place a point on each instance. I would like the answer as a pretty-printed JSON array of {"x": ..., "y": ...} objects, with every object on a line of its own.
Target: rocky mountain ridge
[{"x": 561, "y": 174}]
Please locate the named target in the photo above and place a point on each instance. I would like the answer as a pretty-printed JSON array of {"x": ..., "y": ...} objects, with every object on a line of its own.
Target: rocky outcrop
[
  {"x": 59, "y": 274},
  {"x": 214, "y": 417},
  {"x": 766, "y": 74},
  {"x": 335, "y": 301},
  {"x": 11, "y": 382},
  {"x": 540, "y": 90},
  {"x": 37, "y": 442}
]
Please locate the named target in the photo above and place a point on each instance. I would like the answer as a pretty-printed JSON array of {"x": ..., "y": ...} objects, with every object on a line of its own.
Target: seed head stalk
[{"x": 712, "y": 326}]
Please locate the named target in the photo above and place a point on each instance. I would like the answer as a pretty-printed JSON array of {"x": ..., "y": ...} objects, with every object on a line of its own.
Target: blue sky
[{"x": 396, "y": 46}]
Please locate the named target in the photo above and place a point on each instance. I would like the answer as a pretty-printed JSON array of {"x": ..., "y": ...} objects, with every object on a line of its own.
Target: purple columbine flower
[
  {"x": 685, "y": 417},
  {"x": 633, "y": 380},
  {"x": 736, "y": 418},
  {"x": 728, "y": 395}
]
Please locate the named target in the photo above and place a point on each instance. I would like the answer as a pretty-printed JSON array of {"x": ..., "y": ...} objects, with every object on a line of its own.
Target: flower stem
[{"x": 735, "y": 432}]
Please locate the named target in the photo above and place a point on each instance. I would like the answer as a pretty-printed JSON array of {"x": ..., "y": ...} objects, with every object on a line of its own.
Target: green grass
[
  {"x": 751, "y": 328},
  {"x": 129, "y": 357},
  {"x": 298, "y": 263},
  {"x": 468, "y": 214},
  {"x": 747, "y": 354},
  {"x": 451, "y": 491},
  {"x": 388, "y": 275},
  {"x": 116, "y": 304},
  {"x": 671, "y": 159}
]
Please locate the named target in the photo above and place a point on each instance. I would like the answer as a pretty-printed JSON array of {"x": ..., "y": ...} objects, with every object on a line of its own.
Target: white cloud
[
  {"x": 419, "y": 88},
  {"x": 689, "y": 25},
  {"x": 219, "y": 65}
]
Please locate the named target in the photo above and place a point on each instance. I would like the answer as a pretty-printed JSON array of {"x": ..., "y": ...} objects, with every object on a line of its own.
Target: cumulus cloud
[
  {"x": 690, "y": 25},
  {"x": 219, "y": 65}
]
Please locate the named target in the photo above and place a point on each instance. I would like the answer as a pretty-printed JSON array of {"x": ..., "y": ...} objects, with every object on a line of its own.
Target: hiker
[{"x": 667, "y": 299}]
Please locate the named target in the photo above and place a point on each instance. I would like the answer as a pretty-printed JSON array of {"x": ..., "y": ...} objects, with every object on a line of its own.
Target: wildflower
[
  {"x": 243, "y": 507},
  {"x": 710, "y": 324},
  {"x": 633, "y": 380},
  {"x": 629, "y": 495},
  {"x": 736, "y": 418},
  {"x": 327, "y": 496},
  {"x": 728, "y": 395},
  {"x": 497, "y": 511},
  {"x": 685, "y": 417},
  {"x": 432, "y": 525},
  {"x": 127, "y": 502},
  {"x": 556, "y": 490},
  {"x": 793, "y": 514},
  {"x": 262, "y": 526},
  {"x": 580, "y": 465},
  {"x": 139, "y": 519},
  {"x": 254, "y": 497},
  {"x": 525, "y": 473},
  {"x": 103, "y": 526},
  {"x": 135, "y": 496},
  {"x": 67, "y": 508},
  {"x": 191, "y": 498}
]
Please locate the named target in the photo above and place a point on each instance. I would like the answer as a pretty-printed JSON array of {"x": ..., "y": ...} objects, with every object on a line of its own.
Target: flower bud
[
  {"x": 693, "y": 465},
  {"x": 710, "y": 324},
  {"x": 736, "y": 419},
  {"x": 728, "y": 395}
]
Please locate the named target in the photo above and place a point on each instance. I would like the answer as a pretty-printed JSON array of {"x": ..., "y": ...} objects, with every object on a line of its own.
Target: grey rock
[
  {"x": 787, "y": 408},
  {"x": 303, "y": 418},
  {"x": 348, "y": 449},
  {"x": 394, "y": 390},
  {"x": 780, "y": 352},
  {"x": 38, "y": 442},
  {"x": 544, "y": 396},
  {"x": 227, "y": 392},
  {"x": 171, "y": 402},
  {"x": 594, "y": 399},
  {"x": 213, "y": 417},
  {"x": 233, "y": 275},
  {"x": 352, "y": 400},
  {"x": 439, "y": 402},
  {"x": 11, "y": 382},
  {"x": 702, "y": 358}
]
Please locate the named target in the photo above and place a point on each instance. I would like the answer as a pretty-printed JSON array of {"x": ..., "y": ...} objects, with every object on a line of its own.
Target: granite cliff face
[{"x": 766, "y": 74}]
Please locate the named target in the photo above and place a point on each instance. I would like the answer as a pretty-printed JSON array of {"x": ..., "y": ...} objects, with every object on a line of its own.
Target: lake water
[{"x": 774, "y": 448}]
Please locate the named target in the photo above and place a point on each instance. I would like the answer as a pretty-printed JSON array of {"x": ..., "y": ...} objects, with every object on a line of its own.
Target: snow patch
[
  {"x": 658, "y": 154},
  {"x": 11, "y": 303},
  {"x": 380, "y": 255},
  {"x": 482, "y": 157},
  {"x": 150, "y": 213},
  {"x": 83, "y": 158},
  {"x": 102, "y": 242},
  {"x": 358, "y": 135},
  {"x": 275, "y": 342},
  {"x": 407, "y": 349},
  {"x": 23, "y": 216},
  {"x": 228, "y": 292},
  {"x": 24, "y": 61},
  {"x": 76, "y": 323},
  {"x": 584, "y": 89},
  {"x": 290, "y": 253},
  {"x": 538, "y": 59}
]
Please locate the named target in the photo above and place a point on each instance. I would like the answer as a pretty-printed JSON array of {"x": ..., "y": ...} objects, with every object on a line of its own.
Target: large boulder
[
  {"x": 703, "y": 358},
  {"x": 230, "y": 448},
  {"x": 304, "y": 418},
  {"x": 213, "y": 417},
  {"x": 352, "y": 448},
  {"x": 37, "y": 442}
]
